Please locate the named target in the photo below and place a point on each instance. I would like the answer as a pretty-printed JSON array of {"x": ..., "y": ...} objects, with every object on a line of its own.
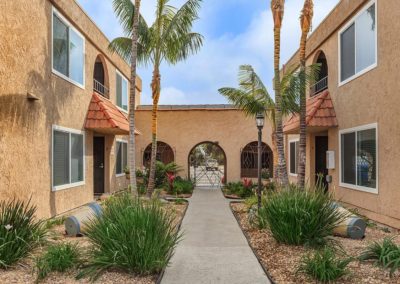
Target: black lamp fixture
[{"x": 260, "y": 118}]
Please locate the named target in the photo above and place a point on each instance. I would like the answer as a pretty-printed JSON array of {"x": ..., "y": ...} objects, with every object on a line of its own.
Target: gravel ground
[
  {"x": 23, "y": 271},
  {"x": 281, "y": 261}
]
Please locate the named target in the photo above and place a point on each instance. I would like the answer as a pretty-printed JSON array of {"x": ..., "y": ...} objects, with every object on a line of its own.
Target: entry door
[
  {"x": 321, "y": 146},
  {"x": 98, "y": 165}
]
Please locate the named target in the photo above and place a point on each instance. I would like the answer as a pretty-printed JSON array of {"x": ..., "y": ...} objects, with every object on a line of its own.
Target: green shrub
[
  {"x": 239, "y": 189},
  {"x": 183, "y": 186},
  {"x": 161, "y": 173},
  {"x": 20, "y": 232},
  {"x": 132, "y": 236},
  {"x": 324, "y": 265},
  {"x": 298, "y": 216},
  {"x": 385, "y": 253},
  {"x": 58, "y": 257}
]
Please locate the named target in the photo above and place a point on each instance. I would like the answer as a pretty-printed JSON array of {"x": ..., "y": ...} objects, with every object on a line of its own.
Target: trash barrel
[{"x": 76, "y": 223}]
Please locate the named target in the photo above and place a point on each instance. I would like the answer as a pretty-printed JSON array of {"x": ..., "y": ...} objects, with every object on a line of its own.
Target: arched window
[
  {"x": 249, "y": 160},
  {"x": 165, "y": 154}
]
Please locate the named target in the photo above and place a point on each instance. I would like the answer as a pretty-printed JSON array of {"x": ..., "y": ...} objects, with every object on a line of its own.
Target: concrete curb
[
  {"x": 171, "y": 253},
  {"x": 248, "y": 242}
]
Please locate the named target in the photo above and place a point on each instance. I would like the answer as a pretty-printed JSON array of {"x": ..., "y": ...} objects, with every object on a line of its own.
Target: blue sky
[{"x": 236, "y": 32}]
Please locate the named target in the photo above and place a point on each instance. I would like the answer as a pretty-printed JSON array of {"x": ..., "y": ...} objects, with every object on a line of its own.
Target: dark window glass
[
  {"x": 119, "y": 158},
  {"x": 349, "y": 158},
  {"x": 366, "y": 158},
  {"x": 60, "y": 46},
  {"x": 293, "y": 157},
  {"x": 60, "y": 158},
  {"x": 347, "y": 52}
]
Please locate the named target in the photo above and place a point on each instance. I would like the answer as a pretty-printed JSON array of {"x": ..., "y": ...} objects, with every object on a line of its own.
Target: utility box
[{"x": 330, "y": 160}]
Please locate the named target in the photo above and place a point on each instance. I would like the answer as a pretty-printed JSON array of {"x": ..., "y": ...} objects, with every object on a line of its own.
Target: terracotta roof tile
[
  {"x": 320, "y": 113},
  {"x": 103, "y": 116}
]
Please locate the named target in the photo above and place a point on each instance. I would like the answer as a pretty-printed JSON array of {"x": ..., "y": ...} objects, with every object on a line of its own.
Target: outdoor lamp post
[{"x": 260, "y": 124}]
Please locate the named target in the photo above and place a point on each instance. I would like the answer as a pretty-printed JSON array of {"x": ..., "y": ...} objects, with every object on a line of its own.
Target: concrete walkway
[{"x": 214, "y": 249}]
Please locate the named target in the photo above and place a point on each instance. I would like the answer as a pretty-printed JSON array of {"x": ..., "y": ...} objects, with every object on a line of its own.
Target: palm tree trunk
[
  {"x": 155, "y": 86},
  {"x": 275, "y": 155},
  {"x": 305, "y": 23},
  {"x": 282, "y": 170},
  {"x": 301, "y": 170},
  {"x": 132, "y": 101}
]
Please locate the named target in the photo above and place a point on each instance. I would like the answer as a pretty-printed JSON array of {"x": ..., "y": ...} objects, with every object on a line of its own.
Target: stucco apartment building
[
  {"x": 63, "y": 105},
  {"x": 352, "y": 111}
]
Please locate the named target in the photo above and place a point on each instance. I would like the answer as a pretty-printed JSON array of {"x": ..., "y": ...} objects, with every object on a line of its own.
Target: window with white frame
[
  {"x": 358, "y": 44},
  {"x": 68, "y": 157},
  {"x": 122, "y": 91},
  {"x": 359, "y": 164},
  {"x": 122, "y": 157},
  {"x": 68, "y": 50},
  {"x": 293, "y": 156}
]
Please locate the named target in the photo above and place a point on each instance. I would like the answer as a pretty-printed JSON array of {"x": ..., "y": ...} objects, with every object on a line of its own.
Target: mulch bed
[
  {"x": 281, "y": 261},
  {"x": 23, "y": 272}
]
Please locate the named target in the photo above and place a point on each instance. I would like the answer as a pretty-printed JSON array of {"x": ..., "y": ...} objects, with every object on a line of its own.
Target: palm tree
[
  {"x": 169, "y": 39},
  {"x": 253, "y": 97},
  {"x": 119, "y": 7},
  {"x": 277, "y": 8},
  {"x": 305, "y": 23}
]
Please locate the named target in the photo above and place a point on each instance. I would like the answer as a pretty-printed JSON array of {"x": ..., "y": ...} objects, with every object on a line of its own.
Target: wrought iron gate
[{"x": 207, "y": 165}]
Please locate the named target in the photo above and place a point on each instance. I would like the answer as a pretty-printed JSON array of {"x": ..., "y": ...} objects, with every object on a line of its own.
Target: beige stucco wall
[
  {"x": 370, "y": 98},
  {"x": 26, "y": 127},
  {"x": 184, "y": 129}
]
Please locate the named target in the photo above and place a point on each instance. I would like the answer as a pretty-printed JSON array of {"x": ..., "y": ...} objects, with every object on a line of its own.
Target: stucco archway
[{"x": 207, "y": 164}]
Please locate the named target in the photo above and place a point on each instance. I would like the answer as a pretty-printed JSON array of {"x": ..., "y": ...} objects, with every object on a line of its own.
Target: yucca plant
[
  {"x": 20, "y": 232},
  {"x": 385, "y": 253},
  {"x": 298, "y": 216},
  {"x": 324, "y": 265},
  {"x": 58, "y": 257},
  {"x": 130, "y": 236}
]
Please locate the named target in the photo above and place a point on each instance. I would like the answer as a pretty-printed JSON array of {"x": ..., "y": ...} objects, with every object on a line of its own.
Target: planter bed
[
  {"x": 23, "y": 271},
  {"x": 281, "y": 261}
]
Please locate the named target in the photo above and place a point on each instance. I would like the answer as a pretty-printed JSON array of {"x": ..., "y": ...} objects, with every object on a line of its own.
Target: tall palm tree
[
  {"x": 170, "y": 39},
  {"x": 253, "y": 97},
  {"x": 277, "y": 8},
  {"x": 119, "y": 7},
  {"x": 305, "y": 23}
]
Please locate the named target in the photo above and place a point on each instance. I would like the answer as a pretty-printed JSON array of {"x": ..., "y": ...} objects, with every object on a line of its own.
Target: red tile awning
[
  {"x": 105, "y": 117},
  {"x": 320, "y": 114}
]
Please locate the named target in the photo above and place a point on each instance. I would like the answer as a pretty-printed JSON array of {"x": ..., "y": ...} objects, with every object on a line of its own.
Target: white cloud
[{"x": 198, "y": 79}]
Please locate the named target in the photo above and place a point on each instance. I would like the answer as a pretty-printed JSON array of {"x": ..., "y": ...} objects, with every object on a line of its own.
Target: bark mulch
[
  {"x": 282, "y": 261},
  {"x": 23, "y": 272}
]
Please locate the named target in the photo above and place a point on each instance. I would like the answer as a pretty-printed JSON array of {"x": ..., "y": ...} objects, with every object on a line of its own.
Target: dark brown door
[
  {"x": 321, "y": 146},
  {"x": 98, "y": 165}
]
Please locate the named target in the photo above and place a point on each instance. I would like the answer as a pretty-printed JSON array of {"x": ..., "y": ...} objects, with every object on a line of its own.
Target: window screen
[
  {"x": 60, "y": 158},
  {"x": 348, "y": 53},
  {"x": 348, "y": 158},
  {"x": 76, "y": 158},
  {"x": 122, "y": 157}
]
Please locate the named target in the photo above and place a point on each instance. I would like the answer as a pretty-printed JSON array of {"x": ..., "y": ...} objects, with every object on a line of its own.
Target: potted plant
[{"x": 127, "y": 172}]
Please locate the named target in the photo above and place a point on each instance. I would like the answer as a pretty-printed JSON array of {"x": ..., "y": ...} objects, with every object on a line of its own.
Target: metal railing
[
  {"x": 100, "y": 88},
  {"x": 320, "y": 86}
]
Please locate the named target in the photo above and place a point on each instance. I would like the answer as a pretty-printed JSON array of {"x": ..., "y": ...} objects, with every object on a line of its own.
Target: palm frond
[
  {"x": 123, "y": 47},
  {"x": 248, "y": 103},
  {"x": 124, "y": 10}
]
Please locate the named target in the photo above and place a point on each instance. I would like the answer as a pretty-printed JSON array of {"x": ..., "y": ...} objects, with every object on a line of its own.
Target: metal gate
[{"x": 207, "y": 164}]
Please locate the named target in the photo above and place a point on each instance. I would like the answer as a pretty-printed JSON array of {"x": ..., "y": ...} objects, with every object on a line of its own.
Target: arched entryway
[
  {"x": 165, "y": 154},
  {"x": 321, "y": 82},
  {"x": 100, "y": 77},
  {"x": 249, "y": 160},
  {"x": 207, "y": 164}
]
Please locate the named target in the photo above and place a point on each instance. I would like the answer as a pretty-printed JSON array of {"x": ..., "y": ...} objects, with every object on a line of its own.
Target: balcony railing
[
  {"x": 320, "y": 86},
  {"x": 100, "y": 88}
]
